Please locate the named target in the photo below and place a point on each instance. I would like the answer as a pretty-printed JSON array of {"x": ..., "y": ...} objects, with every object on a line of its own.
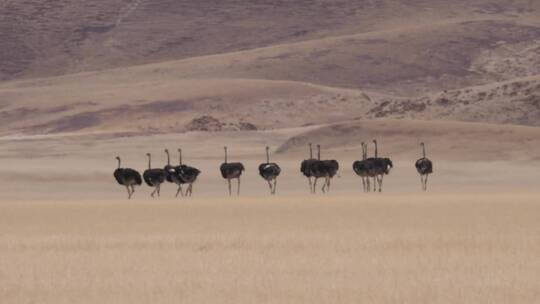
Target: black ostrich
[
  {"x": 326, "y": 169},
  {"x": 154, "y": 177},
  {"x": 127, "y": 177},
  {"x": 270, "y": 171},
  {"x": 230, "y": 171},
  {"x": 363, "y": 168},
  {"x": 185, "y": 175},
  {"x": 424, "y": 166},
  {"x": 380, "y": 168},
  {"x": 305, "y": 167}
]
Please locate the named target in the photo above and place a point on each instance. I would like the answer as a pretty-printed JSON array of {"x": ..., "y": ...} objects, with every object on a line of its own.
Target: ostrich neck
[
  {"x": 180, "y": 156},
  {"x": 119, "y": 163},
  {"x": 364, "y": 152},
  {"x": 149, "y": 162},
  {"x": 376, "y": 150},
  {"x": 168, "y": 158},
  {"x": 225, "y": 155},
  {"x": 424, "y": 151},
  {"x": 319, "y": 153},
  {"x": 267, "y": 157},
  {"x": 310, "y": 152}
]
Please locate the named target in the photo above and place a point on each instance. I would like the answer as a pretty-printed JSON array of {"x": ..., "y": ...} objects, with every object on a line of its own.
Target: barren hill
[
  {"x": 173, "y": 66},
  {"x": 42, "y": 38}
]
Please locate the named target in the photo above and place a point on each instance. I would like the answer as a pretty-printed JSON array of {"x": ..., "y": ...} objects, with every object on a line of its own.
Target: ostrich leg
[
  {"x": 190, "y": 189},
  {"x": 425, "y": 182},
  {"x": 364, "y": 184},
  {"x": 327, "y": 184},
  {"x": 270, "y": 186},
  {"x": 310, "y": 185},
  {"x": 159, "y": 190},
  {"x": 314, "y": 186},
  {"x": 179, "y": 191},
  {"x": 238, "y": 190},
  {"x": 275, "y": 186},
  {"x": 129, "y": 192},
  {"x": 229, "y": 181}
]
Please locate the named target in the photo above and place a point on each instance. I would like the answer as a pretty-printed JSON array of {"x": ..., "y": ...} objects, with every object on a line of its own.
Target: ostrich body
[
  {"x": 380, "y": 167},
  {"x": 154, "y": 177},
  {"x": 231, "y": 171},
  {"x": 424, "y": 166},
  {"x": 306, "y": 167},
  {"x": 326, "y": 169},
  {"x": 270, "y": 171},
  {"x": 185, "y": 175},
  {"x": 127, "y": 177},
  {"x": 363, "y": 168}
]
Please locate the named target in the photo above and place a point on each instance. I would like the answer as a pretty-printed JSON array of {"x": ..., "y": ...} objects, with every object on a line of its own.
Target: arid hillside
[
  {"x": 377, "y": 42},
  {"x": 164, "y": 66}
]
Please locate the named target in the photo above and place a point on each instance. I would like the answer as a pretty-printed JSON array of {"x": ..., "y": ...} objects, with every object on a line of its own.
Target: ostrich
[
  {"x": 230, "y": 171},
  {"x": 270, "y": 171},
  {"x": 127, "y": 177},
  {"x": 324, "y": 168},
  {"x": 380, "y": 168},
  {"x": 306, "y": 165},
  {"x": 362, "y": 168},
  {"x": 154, "y": 177},
  {"x": 185, "y": 175},
  {"x": 424, "y": 166}
]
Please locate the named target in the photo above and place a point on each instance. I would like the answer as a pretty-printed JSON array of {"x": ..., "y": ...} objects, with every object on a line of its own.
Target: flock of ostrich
[{"x": 313, "y": 168}]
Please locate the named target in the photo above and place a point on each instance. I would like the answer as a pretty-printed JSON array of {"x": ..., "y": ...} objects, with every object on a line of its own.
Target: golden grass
[{"x": 394, "y": 248}]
